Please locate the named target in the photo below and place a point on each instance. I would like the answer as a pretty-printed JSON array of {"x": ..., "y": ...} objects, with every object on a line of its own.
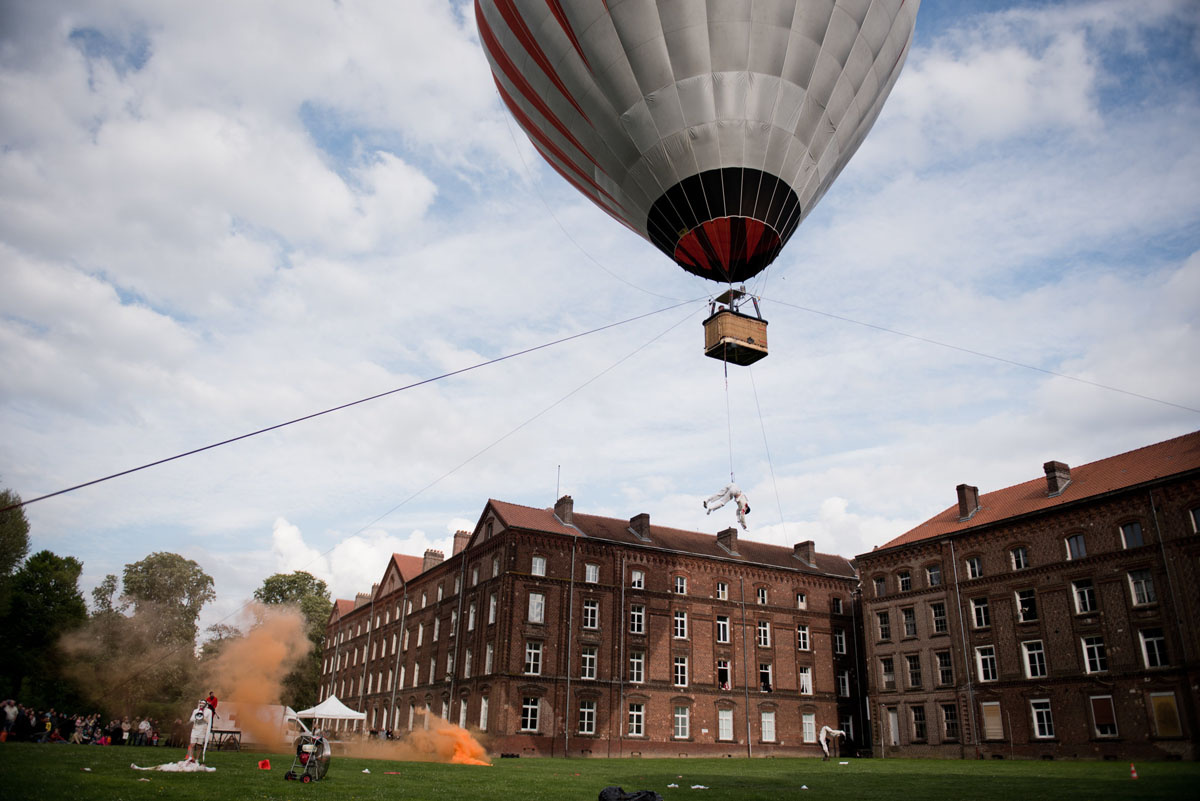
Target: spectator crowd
[{"x": 25, "y": 724}]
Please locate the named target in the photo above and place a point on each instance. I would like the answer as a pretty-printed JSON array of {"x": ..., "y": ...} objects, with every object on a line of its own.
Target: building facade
[
  {"x": 558, "y": 633},
  {"x": 1053, "y": 619}
]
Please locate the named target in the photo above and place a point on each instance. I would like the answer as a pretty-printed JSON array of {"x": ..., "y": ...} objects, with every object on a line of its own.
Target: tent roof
[{"x": 331, "y": 709}]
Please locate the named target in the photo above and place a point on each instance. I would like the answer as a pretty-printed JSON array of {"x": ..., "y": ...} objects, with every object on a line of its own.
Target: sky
[{"x": 217, "y": 217}]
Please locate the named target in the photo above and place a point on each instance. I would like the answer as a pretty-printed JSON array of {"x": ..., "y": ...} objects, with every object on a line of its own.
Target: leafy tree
[
  {"x": 311, "y": 596},
  {"x": 172, "y": 589},
  {"x": 45, "y": 604},
  {"x": 14, "y": 543}
]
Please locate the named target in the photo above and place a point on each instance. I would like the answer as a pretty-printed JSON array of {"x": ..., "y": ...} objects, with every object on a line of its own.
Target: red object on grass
[
  {"x": 264, "y": 764},
  {"x": 1132, "y": 771}
]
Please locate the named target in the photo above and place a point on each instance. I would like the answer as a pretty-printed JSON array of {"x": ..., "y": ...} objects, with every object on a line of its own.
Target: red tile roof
[
  {"x": 674, "y": 539},
  {"x": 1119, "y": 472},
  {"x": 341, "y": 607},
  {"x": 409, "y": 566}
]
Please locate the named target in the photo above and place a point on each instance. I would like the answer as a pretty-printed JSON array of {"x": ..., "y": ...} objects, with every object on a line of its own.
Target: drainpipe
[
  {"x": 570, "y": 651},
  {"x": 746, "y": 668},
  {"x": 1171, "y": 590},
  {"x": 462, "y": 591},
  {"x": 620, "y": 716},
  {"x": 362, "y": 689},
  {"x": 966, "y": 652},
  {"x": 399, "y": 648}
]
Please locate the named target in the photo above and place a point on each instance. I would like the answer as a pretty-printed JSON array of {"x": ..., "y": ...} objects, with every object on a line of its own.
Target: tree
[
  {"x": 46, "y": 603},
  {"x": 311, "y": 596},
  {"x": 14, "y": 543},
  {"x": 172, "y": 589}
]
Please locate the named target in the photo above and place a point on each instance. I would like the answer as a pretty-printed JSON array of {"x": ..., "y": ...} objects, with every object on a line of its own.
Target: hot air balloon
[{"x": 709, "y": 127}]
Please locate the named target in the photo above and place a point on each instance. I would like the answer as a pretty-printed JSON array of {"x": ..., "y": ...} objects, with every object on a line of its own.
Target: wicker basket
[{"x": 734, "y": 337}]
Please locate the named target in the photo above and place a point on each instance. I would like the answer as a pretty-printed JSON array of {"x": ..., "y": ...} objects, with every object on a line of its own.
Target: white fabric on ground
[{"x": 182, "y": 766}]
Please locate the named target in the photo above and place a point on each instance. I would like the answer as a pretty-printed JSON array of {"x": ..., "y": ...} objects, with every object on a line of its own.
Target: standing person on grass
[{"x": 201, "y": 726}]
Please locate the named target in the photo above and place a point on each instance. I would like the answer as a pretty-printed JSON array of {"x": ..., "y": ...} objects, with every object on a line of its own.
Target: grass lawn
[{"x": 55, "y": 773}]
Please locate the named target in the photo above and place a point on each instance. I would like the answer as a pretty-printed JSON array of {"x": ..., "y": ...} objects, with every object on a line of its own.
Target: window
[
  {"x": 1104, "y": 716},
  {"x": 938, "y": 611},
  {"x": 723, "y": 674},
  {"x": 437, "y": 627},
  {"x": 914, "y": 670},
  {"x": 1194, "y": 516},
  {"x": 843, "y": 682},
  {"x": 1166, "y": 715},
  {"x": 1141, "y": 585},
  {"x": 422, "y": 600},
  {"x": 801, "y": 637},
  {"x": 637, "y": 720},
  {"x": 474, "y": 575},
  {"x": 1043, "y": 722},
  {"x": 483, "y": 710},
  {"x": 537, "y": 607},
  {"x": 679, "y": 626},
  {"x": 905, "y": 581},
  {"x": 1075, "y": 547},
  {"x": 980, "y": 612},
  {"x": 637, "y": 579},
  {"x": 439, "y": 593},
  {"x": 1085, "y": 596},
  {"x": 538, "y": 566},
  {"x": 805, "y": 676},
  {"x": 768, "y": 725},
  {"x": 993, "y": 722},
  {"x": 722, "y": 628},
  {"x": 683, "y": 723},
  {"x": 985, "y": 661},
  {"x": 680, "y": 672},
  {"x": 839, "y": 642},
  {"x": 835, "y": 605},
  {"x": 764, "y": 676},
  {"x": 533, "y": 659},
  {"x": 933, "y": 575},
  {"x": 453, "y": 622},
  {"x": 529, "y": 714},
  {"x": 487, "y": 658},
  {"x": 491, "y": 608},
  {"x": 724, "y": 724},
  {"x": 808, "y": 722},
  {"x": 637, "y": 619},
  {"x": 918, "y": 723},
  {"x": 591, "y": 574},
  {"x": 1027, "y": 606},
  {"x": 591, "y": 614},
  {"x": 880, "y": 586},
  {"x": 637, "y": 667},
  {"x": 416, "y": 674},
  {"x": 885, "y": 625},
  {"x": 761, "y": 594},
  {"x": 801, "y": 600},
  {"x": 1094, "y": 655},
  {"x": 587, "y": 663},
  {"x": 910, "y": 621},
  {"x": 1035, "y": 659},
  {"x": 1131, "y": 535},
  {"x": 887, "y": 673},
  {"x": 680, "y": 585},
  {"x": 974, "y": 567},
  {"x": 949, "y": 722},
  {"x": 495, "y": 566},
  {"x": 722, "y": 591},
  {"x": 1154, "y": 648},
  {"x": 1020, "y": 557},
  {"x": 764, "y": 634},
  {"x": 587, "y": 717},
  {"x": 420, "y": 633}
]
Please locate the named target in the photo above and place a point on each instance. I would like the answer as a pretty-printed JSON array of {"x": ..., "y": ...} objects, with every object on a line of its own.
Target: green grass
[{"x": 55, "y": 773}]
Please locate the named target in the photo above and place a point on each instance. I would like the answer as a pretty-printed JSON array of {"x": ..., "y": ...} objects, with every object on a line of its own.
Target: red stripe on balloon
[
  {"x": 516, "y": 24},
  {"x": 583, "y": 191},
  {"x": 559, "y": 14}
]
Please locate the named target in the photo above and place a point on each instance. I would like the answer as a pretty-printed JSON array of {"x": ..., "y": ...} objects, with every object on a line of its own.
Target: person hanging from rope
[
  {"x": 826, "y": 734},
  {"x": 730, "y": 493}
]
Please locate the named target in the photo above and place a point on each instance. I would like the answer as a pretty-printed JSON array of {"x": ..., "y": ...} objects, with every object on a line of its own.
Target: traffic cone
[
  {"x": 264, "y": 764},
  {"x": 1132, "y": 771}
]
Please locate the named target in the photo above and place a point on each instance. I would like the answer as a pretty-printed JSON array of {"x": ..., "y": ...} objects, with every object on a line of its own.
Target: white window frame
[
  {"x": 1095, "y": 654},
  {"x": 723, "y": 629},
  {"x": 679, "y": 625},
  {"x": 637, "y": 667},
  {"x": 724, "y": 724},
  {"x": 839, "y": 641},
  {"x": 722, "y": 591},
  {"x": 1019, "y": 557},
  {"x": 591, "y": 573},
  {"x": 808, "y": 724},
  {"x": 843, "y": 680},
  {"x": 974, "y": 567},
  {"x": 802, "y": 639},
  {"x": 537, "y": 607},
  {"x": 587, "y": 717},
  {"x": 801, "y": 600},
  {"x": 767, "y": 725},
  {"x": 933, "y": 575},
  {"x": 1076, "y": 547},
  {"x": 493, "y": 604},
  {"x": 988, "y": 669},
  {"x": 763, "y": 634},
  {"x": 981, "y": 614},
  {"x": 1126, "y": 529},
  {"x": 1084, "y": 588},
  {"x": 537, "y": 566},
  {"x": 1161, "y": 649},
  {"x": 760, "y": 595},
  {"x": 531, "y": 713},
  {"x": 1033, "y": 654},
  {"x": 587, "y": 663},
  {"x": 637, "y": 720},
  {"x": 1043, "y": 718},
  {"x": 680, "y": 671},
  {"x": 1141, "y": 588},
  {"x": 471, "y": 616},
  {"x": 483, "y": 713},
  {"x": 681, "y": 585},
  {"x": 591, "y": 614},
  {"x": 637, "y": 619},
  {"x": 637, "y": 579},
  {"x": 940, "y": 623},
  {"x": 533, "y": 659},
  {"x": 1019, "y": 597},
  {"x": 682, "y": 723},
  {"x": 804, "y": 677}
]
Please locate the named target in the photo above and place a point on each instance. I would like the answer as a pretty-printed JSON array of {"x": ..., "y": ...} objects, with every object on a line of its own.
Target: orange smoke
[
  {"x": 250, "y": 670},
  {"x": 441, "y": 742}
]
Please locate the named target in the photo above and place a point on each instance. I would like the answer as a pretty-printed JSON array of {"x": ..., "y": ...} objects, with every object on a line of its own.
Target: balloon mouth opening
[{"x": 728, "y": 249}]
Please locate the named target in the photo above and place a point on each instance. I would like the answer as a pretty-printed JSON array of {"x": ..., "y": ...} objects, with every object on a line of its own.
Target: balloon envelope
[{"x": 709, "y": 127}]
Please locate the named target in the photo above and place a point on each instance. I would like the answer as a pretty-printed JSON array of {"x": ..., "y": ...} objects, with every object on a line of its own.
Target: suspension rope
[{"x": 767, "y": 447}]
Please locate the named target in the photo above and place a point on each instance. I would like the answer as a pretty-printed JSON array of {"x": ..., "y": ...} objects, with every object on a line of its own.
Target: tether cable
[{"x": 340, "y": 407}]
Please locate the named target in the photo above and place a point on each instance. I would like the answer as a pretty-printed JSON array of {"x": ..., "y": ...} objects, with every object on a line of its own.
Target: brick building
[
  {"x": 1054, "y": 618},
  {"x": 563, "y": 633}
]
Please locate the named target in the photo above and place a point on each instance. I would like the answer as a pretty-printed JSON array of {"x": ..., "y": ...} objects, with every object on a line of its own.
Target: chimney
[
  {"x": 1058, "y": 476},
  {"x": 361, "y": 599},
  {"x": 433, "y": 558},
  {"x": 460, "y": 541},
  {"x": 727, "y": 539},
  {"x": 564, "y": 509},
  {"x": 640, "y": 525},
  {"x": 805, "y": 552},
  {"x": 968, "y": 501}
]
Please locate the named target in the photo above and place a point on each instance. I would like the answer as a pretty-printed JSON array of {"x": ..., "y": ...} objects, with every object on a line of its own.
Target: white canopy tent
[{"x": 331, "y": 709}]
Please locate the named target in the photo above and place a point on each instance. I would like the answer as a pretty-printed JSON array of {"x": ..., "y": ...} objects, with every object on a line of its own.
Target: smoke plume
[{"x": 441, "y": 742}]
